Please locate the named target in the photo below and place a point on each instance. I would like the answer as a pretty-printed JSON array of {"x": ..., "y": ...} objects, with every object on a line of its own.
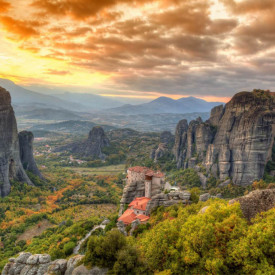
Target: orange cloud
[
  {"x": 56, "y": 72},
  {"x": 22, "y": 29},
  {"x": 80, "y": 9},
  {"x": 4, "y": 6},
  {"x": 249, "y": 6}
]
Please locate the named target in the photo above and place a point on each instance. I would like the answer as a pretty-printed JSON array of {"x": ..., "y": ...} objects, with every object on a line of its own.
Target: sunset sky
[{"x": 144, "y": 48}]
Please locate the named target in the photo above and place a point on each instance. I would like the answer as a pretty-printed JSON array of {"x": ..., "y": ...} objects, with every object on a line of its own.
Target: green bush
[{"x": 69, "y": 247}]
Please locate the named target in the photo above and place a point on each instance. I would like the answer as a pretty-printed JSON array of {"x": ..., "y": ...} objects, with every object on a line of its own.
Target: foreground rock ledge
[{"x": 41, "y": 264}]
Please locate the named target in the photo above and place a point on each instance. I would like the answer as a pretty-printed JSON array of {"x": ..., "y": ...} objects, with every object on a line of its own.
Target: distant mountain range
[
  {"x": 90, "y": 101},
  {"x": 167, "y": 105},
  {"x": 24, "y": 97},
  {"x": 80, "y": 102},
  {"x": 68, "y": 101}
]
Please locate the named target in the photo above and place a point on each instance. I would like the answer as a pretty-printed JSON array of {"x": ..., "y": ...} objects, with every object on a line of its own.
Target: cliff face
[
  {"x": 166, "y": 141},
  {"x": 95, "y": 142},
  {"x": 236, "y": 142},
  {"x": 26, "y": 153},
  {"x": 10, "y": 163},
  {"x": 92, "y": 147}
]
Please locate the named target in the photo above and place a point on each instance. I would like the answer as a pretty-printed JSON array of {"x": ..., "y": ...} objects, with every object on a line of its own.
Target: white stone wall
[{"x": 135, "y": 177}]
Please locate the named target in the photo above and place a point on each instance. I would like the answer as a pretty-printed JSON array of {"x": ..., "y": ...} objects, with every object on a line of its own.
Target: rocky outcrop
[
  {"x": 26, "y": 263},
  {"x": 180, "y": 142},
  {"x": 26, "y": 153},
  {"x": 166, "y": 137},
  {"x": 10, "y": 164},
  {"x": 166, "y": 143},
  {"x": 159, "y": 152},
  {"x": 235, "y": 143},
  {"x": 169, "y": 199},
  {"x": 96, "y": 141},
  {"x": 91, "y": 148},
  {"x": 41, "y": 264},
  {"x": 121, "y": 227},
  {"x": 256, "y": 202}
]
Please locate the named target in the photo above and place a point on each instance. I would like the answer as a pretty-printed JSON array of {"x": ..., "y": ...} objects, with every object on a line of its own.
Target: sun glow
[{"x": 175, "y": 48}]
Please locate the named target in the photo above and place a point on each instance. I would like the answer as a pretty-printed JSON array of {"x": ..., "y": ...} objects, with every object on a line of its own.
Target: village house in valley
[{"x": 141, "y": 184}]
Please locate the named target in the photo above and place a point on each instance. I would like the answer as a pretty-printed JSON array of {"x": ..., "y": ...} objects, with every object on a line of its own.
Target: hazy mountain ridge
[
  {"x": 21, "y": 96},
  {"x": 48, "y": 114},
  {"x": 167, "y": 105},
  {"x": 91, "y": 101}
]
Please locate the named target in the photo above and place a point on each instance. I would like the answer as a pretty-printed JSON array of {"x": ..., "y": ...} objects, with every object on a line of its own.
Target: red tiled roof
[
  {"x": 139, "y": 203},
  {"x": 150, "y": 173},
  {"x": 128, "y": 216},
  {"x": 143, "y": 218},
  {"x": 158, "y": 174}
]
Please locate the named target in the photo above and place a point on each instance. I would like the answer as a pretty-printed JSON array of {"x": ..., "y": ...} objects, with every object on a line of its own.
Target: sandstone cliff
[
  {"x": 26, "y": 153},
  {"x": 92, "y": 147},
  {"x": 10, "y": 164},
  {"x": 236, "y": 142}
]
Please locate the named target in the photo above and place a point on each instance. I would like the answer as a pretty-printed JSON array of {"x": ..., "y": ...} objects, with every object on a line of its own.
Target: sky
[{"x": 139, "y": 49}]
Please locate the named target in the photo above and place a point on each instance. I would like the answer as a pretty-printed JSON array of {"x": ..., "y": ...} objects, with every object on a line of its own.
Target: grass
[{"x": 105, "y": 170}]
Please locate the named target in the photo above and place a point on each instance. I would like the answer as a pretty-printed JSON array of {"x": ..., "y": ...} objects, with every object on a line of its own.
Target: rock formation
[
  {"x": 10, "y": 164},
  {"x": 26, "y": 153},
  {"x": 92, "y": 147},
  {"x": 166, "y": 137},
  {"x": 169, "y": 199},
  {"x": 159, "y": 152},
  {"x": 95, "y": 142},
  {"x": 41, "y": 264},
  {"x": 256, "y": 202},
  {"x": 166, "y": 142},
  {"x": 236, "y": 142}
]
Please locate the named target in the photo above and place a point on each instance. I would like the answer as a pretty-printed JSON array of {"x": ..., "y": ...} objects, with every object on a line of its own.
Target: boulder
[
  {"x": 33, "y": 259},
  {"x": 71, "y": 264},
  {"x": 58, "y": 267},
  {"x": 205, "y": 197},
  {"x": 22, "y": 258},
  {"x": 203, "y": 210},
  {"x": 82, "y": 270},
  {"x": 256, "y": 202}
]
